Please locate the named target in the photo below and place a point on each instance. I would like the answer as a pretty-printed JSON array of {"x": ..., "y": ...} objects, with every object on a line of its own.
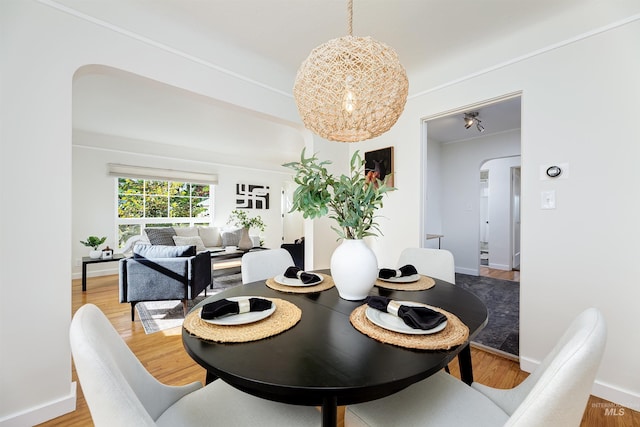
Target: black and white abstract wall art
[{"x": 252, "y": 196}]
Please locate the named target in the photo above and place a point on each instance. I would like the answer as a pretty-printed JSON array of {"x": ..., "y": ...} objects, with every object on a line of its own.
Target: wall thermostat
[{"x": 553, "y": 171}]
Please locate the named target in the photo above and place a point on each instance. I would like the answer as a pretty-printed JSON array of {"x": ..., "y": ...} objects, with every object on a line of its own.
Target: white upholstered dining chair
[
  {"x": 262, "y": 265},
  {"x": 121, "y": 392},
  {"x": 436, "y": 263},
  {"x": 555, "y": 395}
]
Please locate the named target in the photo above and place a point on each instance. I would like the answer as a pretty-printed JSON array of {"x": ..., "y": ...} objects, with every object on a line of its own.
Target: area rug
[
  {"x": 161, "y": 315},
  {"x": 502, "y": 298}
]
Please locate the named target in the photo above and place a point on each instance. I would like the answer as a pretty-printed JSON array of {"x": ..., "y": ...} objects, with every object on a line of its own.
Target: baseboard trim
[
  {"x": 609, "y": 392},
  {"x": 96, "y": 273},
  {"x": 503, "y": 267},
  {"x": 495, "y": 351},
  {"x": 616, "y": 395},
  {"x": 469, "y": 271},
  {"x": 43, "y": 413}
]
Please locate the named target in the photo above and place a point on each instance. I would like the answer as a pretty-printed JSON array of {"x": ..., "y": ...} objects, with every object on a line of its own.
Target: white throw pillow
[
  {"x": 161, "y": 251},
  {"x": 190, "y": 241},
  {"x": 186, "y": 231},
  {"x": 210, "y": 236},
  {"x": 139, "y": 239}
]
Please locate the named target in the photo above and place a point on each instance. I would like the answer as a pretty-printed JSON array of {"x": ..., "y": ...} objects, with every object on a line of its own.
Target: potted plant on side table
[
  {"x": 94, "y": 242},
  {"x": 240, "y": 218},
  {"x": 353, "y": 201}
]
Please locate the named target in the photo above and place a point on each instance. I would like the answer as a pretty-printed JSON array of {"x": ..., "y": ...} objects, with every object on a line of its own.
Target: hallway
[{"x": 512, "y": 275}]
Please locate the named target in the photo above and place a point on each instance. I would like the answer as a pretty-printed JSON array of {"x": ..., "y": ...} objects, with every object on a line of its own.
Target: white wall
[
  {"x": 461, "y": 162},
  {"x": 500, "y": 252},
  {"x": 433, "y": 202}
]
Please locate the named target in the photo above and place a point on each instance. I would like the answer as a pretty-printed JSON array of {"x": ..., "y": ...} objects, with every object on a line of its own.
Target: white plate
[
  {"x": 405, "y": 279},
  {"x": 396, "y": 324},
  {"x": 242, "y": 318},
  {"x": 295, "y": 282}
]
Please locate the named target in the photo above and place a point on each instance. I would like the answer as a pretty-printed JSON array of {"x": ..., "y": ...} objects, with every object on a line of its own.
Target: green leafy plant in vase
[
  {"x": 241, "y": 219},
  {"x": 94, "y": 242},
  {"x": 352, "y": 201}
]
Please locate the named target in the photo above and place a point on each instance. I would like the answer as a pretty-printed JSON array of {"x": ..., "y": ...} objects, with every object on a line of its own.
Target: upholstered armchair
[{"x": 158, "y": 273}]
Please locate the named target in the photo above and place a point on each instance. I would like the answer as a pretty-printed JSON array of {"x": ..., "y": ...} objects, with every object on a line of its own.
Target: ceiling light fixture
[
  {"x": 470, "y": 119},
  {"x": 351, "y": 89}
]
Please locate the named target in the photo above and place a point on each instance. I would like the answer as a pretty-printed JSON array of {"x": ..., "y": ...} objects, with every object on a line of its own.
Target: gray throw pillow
[
  {"x": 160, "y": 251},
  {"x": 231, "y": 238},
  {"x": 161, "y": 235}
]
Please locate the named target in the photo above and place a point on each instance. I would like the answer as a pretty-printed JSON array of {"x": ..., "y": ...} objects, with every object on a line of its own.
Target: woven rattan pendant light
[{"x": 351, "y": 89}]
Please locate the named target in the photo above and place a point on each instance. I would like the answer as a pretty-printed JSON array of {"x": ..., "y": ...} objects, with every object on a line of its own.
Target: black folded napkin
[
  {"x": 296, "y": 273},
  {"x": 223, "y": 307},
  {"x": 406, "y": 270},
  {"x": 415, "y": 317}
]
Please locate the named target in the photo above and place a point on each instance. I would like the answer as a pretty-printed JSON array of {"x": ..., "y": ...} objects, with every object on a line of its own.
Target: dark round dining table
[{"x": 323, "y": 360}]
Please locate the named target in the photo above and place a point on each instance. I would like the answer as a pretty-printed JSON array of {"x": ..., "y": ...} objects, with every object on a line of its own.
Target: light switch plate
[{"x": 548, "y": 199}]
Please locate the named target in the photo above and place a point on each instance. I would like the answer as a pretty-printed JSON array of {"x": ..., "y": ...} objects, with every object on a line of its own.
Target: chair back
[
  {"x": 118, "y": 389},
  {"x": 556, "y": 394},
  {"x": 264, "y": 264},
  {"x": 436, "y": 263}
]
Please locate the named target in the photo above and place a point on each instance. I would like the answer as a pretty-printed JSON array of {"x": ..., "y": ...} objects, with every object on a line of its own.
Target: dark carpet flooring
[{"x": 502, "y": 298}]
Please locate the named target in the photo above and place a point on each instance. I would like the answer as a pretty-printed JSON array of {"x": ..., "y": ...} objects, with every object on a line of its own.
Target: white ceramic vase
[
  {"x": 245, "y": 242},
  {"x": 354, "y": 269},
  {"x": 95, "y": 254}
]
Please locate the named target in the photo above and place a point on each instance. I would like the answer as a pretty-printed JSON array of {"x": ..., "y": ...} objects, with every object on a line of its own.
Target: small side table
[
  {"x": 435, "y": 236},
  {"x": 88, "y": 260}
]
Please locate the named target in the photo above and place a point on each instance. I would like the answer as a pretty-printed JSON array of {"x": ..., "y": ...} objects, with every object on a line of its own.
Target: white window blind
[{"x": 142, "y": 172}]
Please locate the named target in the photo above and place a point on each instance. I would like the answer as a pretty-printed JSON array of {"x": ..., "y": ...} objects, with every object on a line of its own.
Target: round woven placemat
[
  {"x": 455, "y": 333},
  {"x": 424, "y": 283},
  {"x": 327, "y": 283},
  {"x": 284, "y": 317}
]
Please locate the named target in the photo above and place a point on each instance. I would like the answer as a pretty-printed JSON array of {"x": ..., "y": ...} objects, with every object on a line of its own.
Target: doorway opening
[
  {"x": 484, "y": 217},
  {"x": 453, "y": 156},
  {"x": 469, "y": 173},
  {"x": 499, "y": 220}
]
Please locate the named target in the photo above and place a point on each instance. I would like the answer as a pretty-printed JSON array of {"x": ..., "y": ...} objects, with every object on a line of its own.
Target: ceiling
[
  {"x": 423, "y": 32},
  {"x": 145, "y": 115},
  {"x": 498, "y": 117},
  {"x": 279, "y": 34}
]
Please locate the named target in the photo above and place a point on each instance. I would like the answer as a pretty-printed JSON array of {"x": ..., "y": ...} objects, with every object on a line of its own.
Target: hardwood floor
[
  {"x": 512, "y": 275},
  {"x": 163, "y": 355}
]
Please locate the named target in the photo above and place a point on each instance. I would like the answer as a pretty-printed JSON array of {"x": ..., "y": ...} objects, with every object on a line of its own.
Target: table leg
[
  {"x": 330, "y": 411},
  {"x": 84, "y": 277},
  {"x": 209, "y": 378},
  {"x": 464, "y": 361}
]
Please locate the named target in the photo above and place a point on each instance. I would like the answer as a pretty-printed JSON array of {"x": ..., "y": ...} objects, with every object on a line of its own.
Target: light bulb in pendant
[{"x": 349, "y": 102}]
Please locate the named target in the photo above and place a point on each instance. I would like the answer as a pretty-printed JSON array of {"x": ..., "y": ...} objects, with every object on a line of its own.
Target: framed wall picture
[
  {"x": 252, "y": 196},
  {"x": 107, "y": 253},
  {"x": 380, "y": 162}
]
